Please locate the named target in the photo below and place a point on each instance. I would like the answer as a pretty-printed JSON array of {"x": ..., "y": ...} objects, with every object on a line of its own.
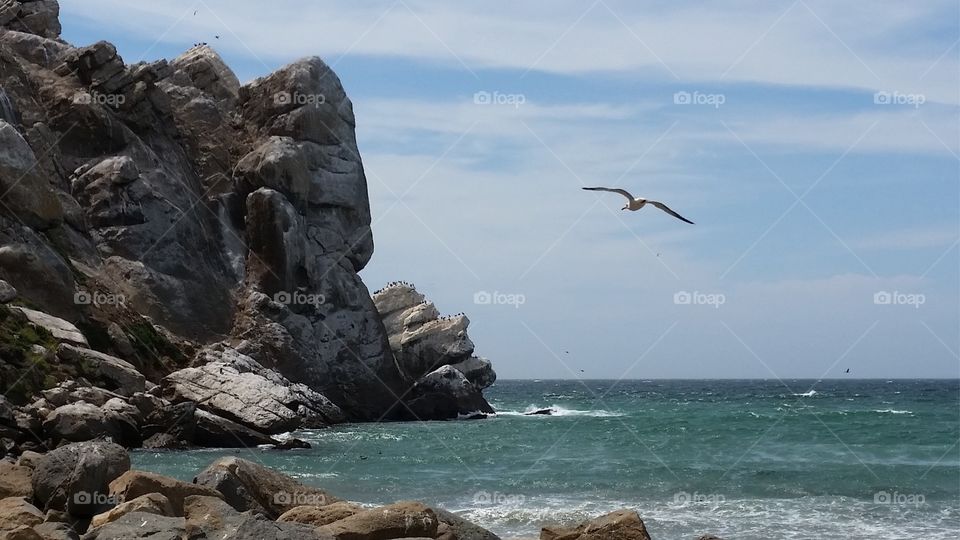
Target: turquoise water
[{"x": 741, "y": 459}]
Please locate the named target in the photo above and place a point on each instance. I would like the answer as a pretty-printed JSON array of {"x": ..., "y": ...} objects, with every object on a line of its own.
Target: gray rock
[
  {"x": 116, "y": 374},
  {"x": 249, "y": 486},
  {"x": 59, "y": 328},
  {"x": 141, "y": 525},
  {"x": 478, "y": 371},
  {"x": 40, "y": 17},
  {"x": 82, "y": 421},
  {"x": 446, "y": 394},
  {"x": 463, "y": 529},
  {"x": 52, "y": 530},
  {"x": 26, "y": 193},
  {"x": 7, "y": 292},
  {"x": 213, "y": 431},
  {"x": 234, "y": 386},
  {"x": 76, "y": 477}
]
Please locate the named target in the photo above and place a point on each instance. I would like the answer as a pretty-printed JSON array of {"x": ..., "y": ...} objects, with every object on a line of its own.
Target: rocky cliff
[{"x": 186, "y": 225}]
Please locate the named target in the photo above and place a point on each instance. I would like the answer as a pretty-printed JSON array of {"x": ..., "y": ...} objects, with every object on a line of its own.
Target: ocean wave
[
  {"x": 557, "y": 410},
  {"x": 892, "y": 411},
  {"x": 811, "y": 393}
]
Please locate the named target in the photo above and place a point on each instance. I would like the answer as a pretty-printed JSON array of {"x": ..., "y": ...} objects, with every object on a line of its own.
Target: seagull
[{"x": 638, "y": 203}]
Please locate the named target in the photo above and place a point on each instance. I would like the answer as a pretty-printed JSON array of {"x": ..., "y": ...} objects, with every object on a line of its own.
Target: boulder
[
  {"x": 619, "y": 525},
  {"x": 40, "y": 17},
  {"x": 463, "y": 529},
  {"x": 133, "y": 484},
  {"x": 7, "y": 292},
  {"x": 151, "y": 503},
  {"x": 478, "y": 371},
  {"x": 446, "y": 394},
  {"x": 82, "y": 421},
  {"x": 113, "y": 373},
  {"x": 209, "y": 517},
  {"x": 318, "y": 516},
  {"x": 400, "y": 520},
  {"x": 212, "y": 431},
  {"x": 76, "y": 477},
  {"x": 59, "y": 328},
  {"x": 137, "y": 525},
  {"x": 52, "y": 530},
  {"x": 17, "y": 512},
  {"x": 234, "y": 386},
  {"x": 15, "y": 480},
  {"x": 249, "y": 486}
]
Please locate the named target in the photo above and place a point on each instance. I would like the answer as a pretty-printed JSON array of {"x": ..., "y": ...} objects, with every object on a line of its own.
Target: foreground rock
[
  {"x": 619, "y": 525},
  {"x": 250, "y": 486},
  {"x": 400, "y": 520},
  {"x": 133, "y": 484},
  {"x": 76, "y": 478}
]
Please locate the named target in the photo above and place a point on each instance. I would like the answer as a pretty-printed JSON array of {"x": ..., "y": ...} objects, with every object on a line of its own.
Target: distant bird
[
  {"x": 363, "y": 458},
  {"x": 582, "y": 371},
  {"x": 848, "y": 370},
  {"x": 195, "y": 13},
  {"x": 636, "y": 203},
  {"x": 218, "y": 37}
]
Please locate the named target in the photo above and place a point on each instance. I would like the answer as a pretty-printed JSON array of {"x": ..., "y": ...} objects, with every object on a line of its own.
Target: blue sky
[{"x": 820, "y": 164}]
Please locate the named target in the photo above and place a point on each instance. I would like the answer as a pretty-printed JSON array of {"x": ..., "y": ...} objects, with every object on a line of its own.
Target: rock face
[
  {"x": 436, "y": 353},
  {"x": 153, "y": 210}
]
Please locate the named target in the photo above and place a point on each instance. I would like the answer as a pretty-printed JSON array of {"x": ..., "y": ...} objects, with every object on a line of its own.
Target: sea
[{"x": 740, "y": 459}]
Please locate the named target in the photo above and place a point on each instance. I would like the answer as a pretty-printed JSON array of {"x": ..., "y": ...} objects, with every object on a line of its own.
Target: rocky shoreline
[{"x": 88, "y": 490}]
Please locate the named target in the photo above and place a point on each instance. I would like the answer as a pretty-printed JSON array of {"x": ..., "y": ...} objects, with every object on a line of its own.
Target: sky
[{"x": 816, "y": 144}]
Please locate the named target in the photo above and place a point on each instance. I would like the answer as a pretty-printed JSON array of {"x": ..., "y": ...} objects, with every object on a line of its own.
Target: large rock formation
[
  {"x": 436, "y": 353},
  {"x": 154, "y": 210}
]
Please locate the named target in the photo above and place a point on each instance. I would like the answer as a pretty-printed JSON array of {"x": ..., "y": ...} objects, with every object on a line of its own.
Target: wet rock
[{"x": 619, "y": 525}]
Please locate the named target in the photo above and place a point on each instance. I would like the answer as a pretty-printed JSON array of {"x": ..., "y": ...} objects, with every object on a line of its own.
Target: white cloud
[{"x": 807, "y": 43}]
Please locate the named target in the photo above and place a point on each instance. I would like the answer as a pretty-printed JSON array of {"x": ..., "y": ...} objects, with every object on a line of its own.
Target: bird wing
[
  {"x": 623, "y": 192},
  {"x": 667, "y": 209}
]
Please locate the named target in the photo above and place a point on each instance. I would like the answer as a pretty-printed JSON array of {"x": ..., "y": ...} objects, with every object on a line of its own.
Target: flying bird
[{"x": 636, "y": 203}]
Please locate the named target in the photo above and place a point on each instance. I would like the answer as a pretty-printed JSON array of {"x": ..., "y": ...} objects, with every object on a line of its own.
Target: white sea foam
[
  {"x": 892, "y": 411},
  {"x": 806, "y": 394},
  {"x": 558, "y": 410}
]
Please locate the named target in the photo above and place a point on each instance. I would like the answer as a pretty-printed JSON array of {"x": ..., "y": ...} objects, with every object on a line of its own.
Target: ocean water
[{"x": 740, "y": 459}]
